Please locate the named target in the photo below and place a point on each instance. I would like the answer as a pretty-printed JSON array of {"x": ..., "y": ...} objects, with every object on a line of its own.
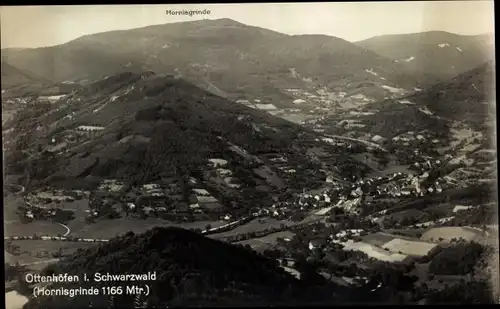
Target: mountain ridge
[
  {"x": 438, "y": 53},
  {"x": 152, "y": 127},
  {"x": 226, "y": 57}
]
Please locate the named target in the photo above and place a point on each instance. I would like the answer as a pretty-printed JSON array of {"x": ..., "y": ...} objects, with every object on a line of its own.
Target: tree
[{"x": 465, "y": 256}]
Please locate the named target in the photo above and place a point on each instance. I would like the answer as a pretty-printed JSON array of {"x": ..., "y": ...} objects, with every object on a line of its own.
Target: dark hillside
[
  {"x": 466, "y": 98},
  {"x": 191, "y": 270},
  {"x": 20, "y": 83}
]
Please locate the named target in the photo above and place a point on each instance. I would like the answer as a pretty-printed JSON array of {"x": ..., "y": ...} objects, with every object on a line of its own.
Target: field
[
  {"x": 48, "y": 228},
  {"x": 266, "y": 242},
  {"x": 256, "y": 244},
  {"x": 271, "y": 238},
  {"x": 7, "y": 115},
  {"x": 408, "y": 247},
  {"x": 10, "y": 207},
  {"x": 111, "y": 228},
  {"x": 374, "y": 252},
  {"x": 412, "y": 233},
  {"x": 103, "y": 228},
  {"x": 77, "y": 205},
  {"x": 29, "y": 249},
  {"x": 377, "y": 239},
  {"x": 448, "y": 233},
  {"x": 409, "y": 213},
  {"x": 252, "y": 226},
  {"x": 405, "y": 245},
  {"x": 9, "y": 258},
  {"x": 270, "y": 176},
  {"x": 297, "y": 118}
]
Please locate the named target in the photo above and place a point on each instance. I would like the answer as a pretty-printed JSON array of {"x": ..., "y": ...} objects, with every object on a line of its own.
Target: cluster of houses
[
  {"x": 16, "y": 101},
  {"x": 431, "y": 164},
  {"x": 44, "y": 197},
  {"x": 281, "y": 164},
  {"x": 410, "y": 186},
  {"x": 62, "y": 141},
  {"x": 351, "y": 198},
  {"x": 32, "y": 212},
  {"x": 410, "y": 137},
  {"x": 166, "y": 199},
  {"x": 148, "y": 198},
  {"x": 223, "y": 173},
  {"x": 321, "y": 97}
]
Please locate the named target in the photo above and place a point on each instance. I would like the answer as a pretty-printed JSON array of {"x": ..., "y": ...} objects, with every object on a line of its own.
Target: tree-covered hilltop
[{"x": 191, "y": 270}]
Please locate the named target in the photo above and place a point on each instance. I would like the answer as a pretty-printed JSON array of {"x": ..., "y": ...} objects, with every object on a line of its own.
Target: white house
[
  {"x": 218, "y": 162},
  {"x": 377, "y": 139},
  {"x": 405, "y": 193},
  {"x": 316, "y": 243}
]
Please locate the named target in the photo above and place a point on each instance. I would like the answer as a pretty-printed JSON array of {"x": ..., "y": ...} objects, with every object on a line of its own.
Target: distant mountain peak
[
  {"x": 220, "y": 22},
  {"x": 228, "y": 21}
]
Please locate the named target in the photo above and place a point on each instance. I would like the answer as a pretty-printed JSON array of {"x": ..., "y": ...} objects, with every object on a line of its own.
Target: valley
[{"x": 304, "y": 180}]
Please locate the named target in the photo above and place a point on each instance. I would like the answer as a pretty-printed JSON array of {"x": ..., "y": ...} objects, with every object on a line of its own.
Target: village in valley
[
  {"x": 323, "y": 168},
  {"x": 361, "y": 217}
]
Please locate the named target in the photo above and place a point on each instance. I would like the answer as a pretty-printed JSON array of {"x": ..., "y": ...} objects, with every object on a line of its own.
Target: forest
[{"x": 190, "y": 269}]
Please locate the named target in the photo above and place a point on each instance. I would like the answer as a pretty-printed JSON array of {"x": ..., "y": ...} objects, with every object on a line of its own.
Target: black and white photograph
[{"x": 271, "y": 154}]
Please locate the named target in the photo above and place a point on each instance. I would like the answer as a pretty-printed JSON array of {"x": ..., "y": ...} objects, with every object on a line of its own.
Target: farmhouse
[
  {"x": 373, "y": 251},
  {"x": 330, "y": 179},
  {"x": 218, "y": 162},
  {"x": 224, "y": 172},
  {"x": 378, "y": 139},
  {"x": 317, "y": 243},
  {"x": 447, "y": 233},
  {"x": 150, "y": 186}
]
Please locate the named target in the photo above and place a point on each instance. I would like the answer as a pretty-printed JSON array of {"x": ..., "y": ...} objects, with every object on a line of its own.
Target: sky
[{"x": 40, "y": 26}]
